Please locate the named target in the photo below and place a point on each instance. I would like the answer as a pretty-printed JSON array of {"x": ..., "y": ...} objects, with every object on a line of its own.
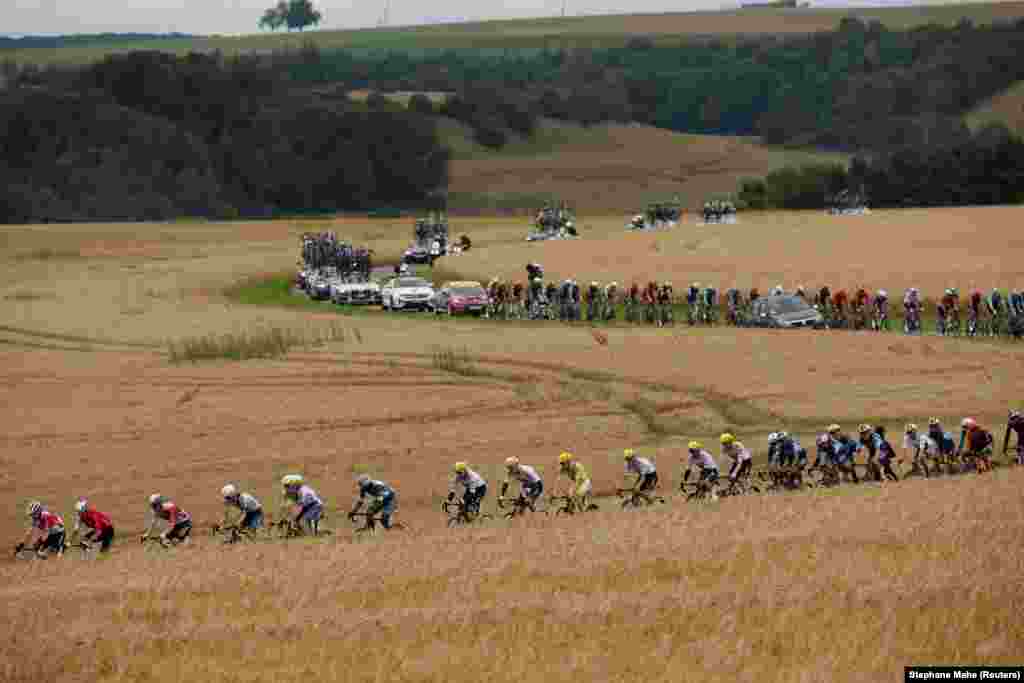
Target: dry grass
[
  {"x": 749, "y": 590},
  {"x": 271, "y": 342},
  {"x": 845, "y": 586}
]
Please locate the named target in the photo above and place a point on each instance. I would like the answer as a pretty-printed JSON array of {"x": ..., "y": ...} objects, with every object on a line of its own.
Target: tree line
[
  {"x": 152, "y": 136},
  {"x": 861, "y": 86},
  {"x": 986, "y": 167}
]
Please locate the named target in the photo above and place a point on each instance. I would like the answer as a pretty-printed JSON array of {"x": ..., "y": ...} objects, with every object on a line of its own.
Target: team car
[
  {"x": 406, "y": 293},
  {"x": 785, "y": 311},
  {"x": 460, "y": 297}
]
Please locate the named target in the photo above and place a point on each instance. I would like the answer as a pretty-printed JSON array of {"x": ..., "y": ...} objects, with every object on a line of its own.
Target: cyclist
[
  {"x": 611, "y": 294},
  {"x": 886, "y": 453},
  {"x": 1015, "y": 423},
  {"x": 785, "y": 450},
  {"x": 973, "y": 312},
  {"x": 700, "y": 458},
  {"x": 912, "y": 310},
  {"x": 845, "y": 450},
  {"x": 46, "y": 531},
  {"x": 692, "y": 302},
  {"x": 868, "y": 439},
  {"x": 646, "y": 473},
  {"x": 860, "y": 305},
  {"x": 921, "y": 445},
  {"x": 979, "y": 444},
  {"x": 734, "y": 302},
  {"x": 665, "y": 294},
  {"x": 710, "y": 303},
  {"x": 300, "y": 496},
  {"x": 778, "y": 290},
  {"x": 881, "y": 310},
  {"x": 101, "y": 530},
  {"x": 179, "y": 522},
  {"x": 473, "y": 485},
  {"x": 580, "y": 485},
  {"x": 839, "y": 301},
  {"x": 251, "y": 511},
  {"x": 943, "y": 439},
  {"x": 739, "y": 454},
  {"x": 950, "y": 314},
  {"x": 995, "y": 303},
  {"x": 801, "y": 292},
  {"x": 531, "y": 486},
  {"x": 385, "y": 500}
]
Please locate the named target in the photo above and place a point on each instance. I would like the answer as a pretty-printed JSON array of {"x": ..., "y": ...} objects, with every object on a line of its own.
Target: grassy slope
[
  {"x": 592, "y": 31},
  {"x": 607, "y": 167}
]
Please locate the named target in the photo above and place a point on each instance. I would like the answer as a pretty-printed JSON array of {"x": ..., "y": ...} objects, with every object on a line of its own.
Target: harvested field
[
  {"x": 608, "y": 167},
  {"x": 93, "y": 406}
]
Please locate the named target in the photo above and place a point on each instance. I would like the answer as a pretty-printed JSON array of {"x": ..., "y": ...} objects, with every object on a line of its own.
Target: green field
[{"x": 568, "y": 32}]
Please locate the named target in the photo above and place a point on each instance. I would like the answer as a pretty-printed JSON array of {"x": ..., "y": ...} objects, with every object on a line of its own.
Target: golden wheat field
[{"x": 849, "y": 585}]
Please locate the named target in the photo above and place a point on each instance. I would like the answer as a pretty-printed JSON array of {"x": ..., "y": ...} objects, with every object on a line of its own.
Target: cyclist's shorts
[
  {"x": 253, "y": 519},
  {"x": 180, "y": 531},
  {"x": 312, "y": 513},
  {"x": 649, "y": 481},
  {"x": 388, "y": 504},
  {"x": 709, "y": 475}
]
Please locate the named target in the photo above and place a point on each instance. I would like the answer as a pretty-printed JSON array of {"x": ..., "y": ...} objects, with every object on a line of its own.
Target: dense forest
[
  {"x": 861, "y": 86},
  {"x": 149, "y": 136},
  {"x": 986, "y": 167}
]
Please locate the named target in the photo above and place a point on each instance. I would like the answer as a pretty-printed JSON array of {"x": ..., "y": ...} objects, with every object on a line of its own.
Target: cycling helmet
[
  {"x": 727, "y": 439},
  {"x": 883, "y": 294},
  {"x": 81, "y": 505},
  {"x": 1014, "y": 415},
  {"x": 593, "y": 283},
  {"x": 695, "y": 445},
  {"x": 773, "y": 437},
  {"x": 910, "y": 428},
  {"x": 628, "y": 454},
  {"x": 833, "y": 428},
  {"x": 229, "y": 491},
  {"x": 565, "y": 457},
  {"x": 864, "y": 429},
  {"x": 969, "y": 423},
  {"x": 954, "y": 291},
  {"x": 363, "y": 479},
  {"x": 823, "y": 440},
  {"x": 783, "y": 435},
  {"x": 511, "y": 461},
  {"x": 33, "y": 508},
  {"x": 460, "y": 467},
  {"x": 949, "y": 291},
  {"x": 291, "y": 480},
  {"x": 933, "y": 422},
  {"x": 155, "y": 498},
  {"x": 696, "y": 285}
]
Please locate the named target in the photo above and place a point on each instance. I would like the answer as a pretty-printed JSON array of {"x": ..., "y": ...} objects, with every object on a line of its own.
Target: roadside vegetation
[{"x": 268, "y": 342}]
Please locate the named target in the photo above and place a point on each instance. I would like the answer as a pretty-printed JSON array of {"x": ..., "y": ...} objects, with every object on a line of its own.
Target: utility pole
[
  {"x": 387, "y": 12},
  {"x": 563, "y": 8}
]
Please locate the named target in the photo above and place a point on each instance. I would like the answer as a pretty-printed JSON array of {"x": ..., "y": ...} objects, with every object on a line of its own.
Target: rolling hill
[{"x": 584, "y": 31}]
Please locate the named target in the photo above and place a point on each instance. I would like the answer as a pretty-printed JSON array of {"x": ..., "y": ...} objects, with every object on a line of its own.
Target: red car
[{"x": 460, "y": 297}]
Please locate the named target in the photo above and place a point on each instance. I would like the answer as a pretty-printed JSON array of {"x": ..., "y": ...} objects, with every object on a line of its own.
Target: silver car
[{"x": 785, "y": 311}]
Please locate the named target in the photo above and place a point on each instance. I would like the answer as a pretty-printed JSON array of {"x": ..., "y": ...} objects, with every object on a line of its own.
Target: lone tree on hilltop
[{"x": 291, "y": 13}]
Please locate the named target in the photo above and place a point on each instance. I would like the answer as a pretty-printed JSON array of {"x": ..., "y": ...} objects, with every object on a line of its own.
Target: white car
[
  {"x": 355, "y": 293},
  {"x": 406, "y": 293}
]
